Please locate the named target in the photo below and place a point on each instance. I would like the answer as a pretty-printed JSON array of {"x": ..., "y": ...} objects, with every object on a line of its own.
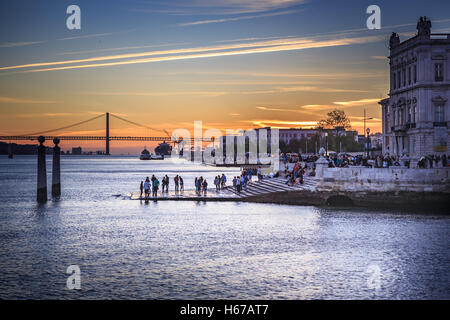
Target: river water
[{"x": 188, "y": 250}]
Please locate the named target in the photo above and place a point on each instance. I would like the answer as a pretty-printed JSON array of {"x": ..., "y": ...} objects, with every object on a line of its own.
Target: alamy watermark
[
  {"x": 74, "y": 20},
  {"x": 74, "y": 280},
  {"x": 374, "y": 20},
  {"x": 240, "y": 147}
]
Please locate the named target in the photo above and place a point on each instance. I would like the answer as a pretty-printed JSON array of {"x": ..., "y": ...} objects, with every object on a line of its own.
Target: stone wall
[{"x": 383, "y": 179}]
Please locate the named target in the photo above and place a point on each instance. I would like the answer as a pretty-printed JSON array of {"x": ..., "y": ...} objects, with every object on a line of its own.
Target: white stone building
[{"x": 416, "y": 116}]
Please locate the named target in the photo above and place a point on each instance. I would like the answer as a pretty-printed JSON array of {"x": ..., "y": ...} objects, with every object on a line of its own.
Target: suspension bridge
[{"x": 49, "y": 135}]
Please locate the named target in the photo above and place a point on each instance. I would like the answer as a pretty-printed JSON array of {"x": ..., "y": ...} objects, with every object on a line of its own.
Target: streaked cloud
[
  {"x": 278, "y": 45},
  {"x": 161, "y": 94},
  {"x": 282, "y": 123},
  {"x": 317, "y": 107},
  {"x": 121, "y": 48},
  {"x": 19, "y": 44},
  {"x": 46, "y": 115},
  {"x": 358, "y": 102},
  {"x": 25, "y": 101},
  {"x": 222, "y": 20},
  {"x": 219, "y": 7},
  {"x": 378, "y": 57},
  {"x": 277, "y": 109},
  {"x": 86, "y": 36}
]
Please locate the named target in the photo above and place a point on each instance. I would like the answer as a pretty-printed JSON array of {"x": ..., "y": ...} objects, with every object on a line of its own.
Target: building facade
[{"x": 416, "y": 116}]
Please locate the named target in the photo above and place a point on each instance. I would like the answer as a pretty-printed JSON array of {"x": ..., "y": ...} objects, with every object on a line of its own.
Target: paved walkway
[
  {"x": 266, "y": 186},
  {"x": 254, "y": 188}
]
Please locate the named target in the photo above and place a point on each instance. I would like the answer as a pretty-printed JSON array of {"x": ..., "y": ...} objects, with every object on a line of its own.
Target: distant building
[
  {"x": 77, "y": 151},
  {"x": 416, "y": 115},
  {"x": 287, "y": 135}
]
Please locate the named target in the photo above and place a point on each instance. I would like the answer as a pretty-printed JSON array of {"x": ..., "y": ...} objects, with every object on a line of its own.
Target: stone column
[
  {"x": 56, "y": 173},
  {"x": 321, "y": 163},
  {"x": 42, "y": 172}
]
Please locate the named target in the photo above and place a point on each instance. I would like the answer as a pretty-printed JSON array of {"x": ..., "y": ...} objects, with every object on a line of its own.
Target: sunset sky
[{"x": 229, "y": 63}]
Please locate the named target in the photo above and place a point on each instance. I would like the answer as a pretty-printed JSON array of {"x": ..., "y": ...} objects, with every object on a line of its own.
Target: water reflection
[{"x": 196, "y": 250}]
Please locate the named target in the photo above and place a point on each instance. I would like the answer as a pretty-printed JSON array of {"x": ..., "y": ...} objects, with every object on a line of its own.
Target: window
[
  {"x": 409, "y": 114},
  {"x": 415, "y": 73},
  {"x": 409, "y": 75},
  {"x": 414, "y": 119},
  {"x": 395, "y": 118},
  {"x": 399, "y": 77},
  {"x": 439, "y": 114},
  {"x": 438, "y": 72},
  {"x": 394, "y": 80},
  {"x": 404, "y": 77}
]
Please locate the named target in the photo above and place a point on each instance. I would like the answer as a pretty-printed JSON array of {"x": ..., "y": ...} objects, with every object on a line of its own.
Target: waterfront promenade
[
  {"x": 254, "y": 188},
  {"x": 353, "y": 186}
]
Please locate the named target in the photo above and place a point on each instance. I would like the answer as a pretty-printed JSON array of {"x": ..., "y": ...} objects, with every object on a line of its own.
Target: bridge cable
[
  {"x": 62, "y": 128},
  {"x": 140, "y": 125}
]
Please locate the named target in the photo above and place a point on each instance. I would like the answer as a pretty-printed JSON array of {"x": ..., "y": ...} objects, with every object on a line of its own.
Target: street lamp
[
  {"x": 365, "y": 118},
  {"x": 326, "y": 139},
  {"x": 367, "y": 141}
]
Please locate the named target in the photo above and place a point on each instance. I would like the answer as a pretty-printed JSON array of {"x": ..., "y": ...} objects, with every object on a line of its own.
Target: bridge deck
[{"x": 254, "y": 188}]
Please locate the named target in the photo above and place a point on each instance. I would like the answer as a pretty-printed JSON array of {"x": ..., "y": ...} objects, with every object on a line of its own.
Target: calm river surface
[{"x": 188, "y": 250}]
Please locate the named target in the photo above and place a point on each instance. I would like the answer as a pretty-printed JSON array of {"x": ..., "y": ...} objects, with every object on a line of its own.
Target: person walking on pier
[
  {"x": 216, "y": 183},
  {"x": 155, "y": 188},
  {"x": 146, "y": 187},
  {"x": 167, "y": 183},
  {"x": 238, "y": 185},
  {"x": 141, "y": 187},
  {"x": 181, "y": 183},
  {"x": 223, "y": 180},
  {"x": 175, "y": 181},
  {"x": 205, "y": 187}
]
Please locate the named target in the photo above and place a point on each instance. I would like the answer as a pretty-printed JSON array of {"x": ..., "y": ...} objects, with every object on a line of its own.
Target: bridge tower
[{"x": 107, "y": 134}]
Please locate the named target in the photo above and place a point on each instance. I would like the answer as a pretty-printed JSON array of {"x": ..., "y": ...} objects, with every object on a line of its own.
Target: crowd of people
[
  {"x": 220, "y": 182},
  {"x": 201, "y": 186},
  {"x": 376, "y": 161},
  {"x": 151, "y": 185}
]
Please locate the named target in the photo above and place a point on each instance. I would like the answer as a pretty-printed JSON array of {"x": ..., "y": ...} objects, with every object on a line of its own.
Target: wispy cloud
[
  {"x": 317, "y": 107},
  {"x": 86, "y": 36},
  {"x": 161, "y": 94},
  {"x": 317, "y": 89},
  {"x": 46, "y": 115},
  {"x": 25, "y": 101},
  {"x": 282, "y": 123},
  {"x": 121, "y": 48},
  {"x": 358, "y": 102},
  {"x": 378, "y": 57},
  {"x": 264, "y": 15},
  {"x": 220, "y": 7},
  {"x": 277, "y": 109},
  {"x": 278, "y": 45},
  {"x": 19, "y": 44}
]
